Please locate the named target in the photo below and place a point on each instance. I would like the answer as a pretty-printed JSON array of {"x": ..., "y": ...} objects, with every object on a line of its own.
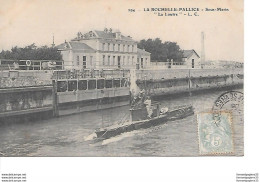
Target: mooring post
[
  {"x": 54, "y": 98},
  {"x": 77, "y": 92},
  {"x": 189, "y": 84}
]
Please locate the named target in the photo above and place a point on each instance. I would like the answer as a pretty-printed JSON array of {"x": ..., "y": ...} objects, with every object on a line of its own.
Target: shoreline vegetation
[{"x": 160, "y": 51}]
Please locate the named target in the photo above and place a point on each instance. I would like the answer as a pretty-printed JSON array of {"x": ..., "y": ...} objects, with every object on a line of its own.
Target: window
[
  {"x": 103, "y": 46},
  {"x": 91, "y": 60},
  {"x": 114, "y": 60},
  {"x": 92, "y": 84},
  {"x": 114, "y": 45},
  {"x": 108, "y": 83},
  {"x": 128, "y": 60},
  {"x": 84, "y": 61},
  {"x": 116, "y": 83},
  {"x": 128, "y": 48},
  {"x": 77, "y": 60},
  {"x": 132, "y": 48},
  {"x": 123, "y": 48},
  {"x": 133, "y": 60},
  {"x": 119, "y": 47},
  {"x": 100, "y": 84},
  {"x": 104, "y": 59},
  {"x": 72, "y": 85},
  {"x": 83, "y": 84},
  {"x": 123, "y": 60},
  {"x": 108, "y": 46},
  {"x": 62, "y": 86},
  {"x": 108, "y": 61}
]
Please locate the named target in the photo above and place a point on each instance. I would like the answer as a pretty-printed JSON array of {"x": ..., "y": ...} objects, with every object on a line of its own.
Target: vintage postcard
[{"x": 121, "y": 78}]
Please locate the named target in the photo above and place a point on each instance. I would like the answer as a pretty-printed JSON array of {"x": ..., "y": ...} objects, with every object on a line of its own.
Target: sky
[{"x": 23, "y": 22}]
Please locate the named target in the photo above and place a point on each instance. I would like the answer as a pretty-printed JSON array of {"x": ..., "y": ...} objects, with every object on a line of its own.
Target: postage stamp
[{"x": 215, "y": 133}]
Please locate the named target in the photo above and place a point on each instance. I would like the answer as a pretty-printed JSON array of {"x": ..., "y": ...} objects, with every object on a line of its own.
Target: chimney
[
  {"x": 105, "y": 30},
  {"x": 118, "y": 34},
  {"x": 79, "y": 35},
  {"x": 53, "y": 44},
  {"x": 202, "y": 59},
  {"x": 110, "y": 30}
]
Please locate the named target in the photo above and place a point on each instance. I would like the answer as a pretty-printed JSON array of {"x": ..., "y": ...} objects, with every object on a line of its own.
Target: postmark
[
  {"x": 230, "y": 101},
  {"x": 215, "y": 133}
]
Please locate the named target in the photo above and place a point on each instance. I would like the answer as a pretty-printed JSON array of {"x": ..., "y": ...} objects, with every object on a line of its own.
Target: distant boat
[{"x": 140, "y": 120}]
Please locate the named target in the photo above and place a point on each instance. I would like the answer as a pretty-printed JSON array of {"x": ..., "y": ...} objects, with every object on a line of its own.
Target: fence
[
  {"x": 183, "y": 73},
  {"x": 91, "y": 73}
]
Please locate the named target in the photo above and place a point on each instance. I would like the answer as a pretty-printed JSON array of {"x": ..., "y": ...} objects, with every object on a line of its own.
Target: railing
[
  {"x": 7, "y": 64},
  {"x": 184, "y": 73},
  {"x": 91, "y": 73}
]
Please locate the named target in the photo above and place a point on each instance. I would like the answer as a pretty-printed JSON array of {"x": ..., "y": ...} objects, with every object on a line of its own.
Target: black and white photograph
[{"x": 121, "y": 78}]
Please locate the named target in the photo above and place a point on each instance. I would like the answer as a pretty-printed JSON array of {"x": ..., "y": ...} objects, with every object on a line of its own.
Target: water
[{"x": 66, "y": 136}]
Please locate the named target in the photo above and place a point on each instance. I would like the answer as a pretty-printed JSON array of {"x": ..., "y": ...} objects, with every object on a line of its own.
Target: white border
[{"x": 181, "y": 169}]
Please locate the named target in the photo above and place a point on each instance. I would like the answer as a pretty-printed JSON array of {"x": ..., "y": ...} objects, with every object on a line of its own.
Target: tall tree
[
  {"x": 161, "y": 51},
  {"x": 31, "y": 52}
]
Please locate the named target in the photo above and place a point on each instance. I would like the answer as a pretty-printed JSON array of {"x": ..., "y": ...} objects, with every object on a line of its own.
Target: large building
[{"x": 102, "y": 50}]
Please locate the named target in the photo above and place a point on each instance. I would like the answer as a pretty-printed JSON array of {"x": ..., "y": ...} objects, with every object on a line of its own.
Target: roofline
[
  {"x": 93, "y": 50},
  {"x": 98, "y": 37},
  {"x": 70, "y": 47},
  {"x": 193, "y": 51},
  {"x": 95, "y": 32},
  {"x": 196, "y": 53},
  {"x": 143, "y": 50}
]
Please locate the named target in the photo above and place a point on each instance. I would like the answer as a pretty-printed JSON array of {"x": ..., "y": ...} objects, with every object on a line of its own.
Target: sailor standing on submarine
[{"x": 148, "y": 104}]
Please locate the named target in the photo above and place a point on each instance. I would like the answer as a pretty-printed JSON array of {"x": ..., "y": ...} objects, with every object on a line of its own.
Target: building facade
[
  {"x": 191, "y": 59},
  {"x": 106, "y": 49}
]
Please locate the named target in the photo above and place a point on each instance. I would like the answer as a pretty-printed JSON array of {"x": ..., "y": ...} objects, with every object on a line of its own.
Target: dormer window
[{"x": 91, "y": 34}]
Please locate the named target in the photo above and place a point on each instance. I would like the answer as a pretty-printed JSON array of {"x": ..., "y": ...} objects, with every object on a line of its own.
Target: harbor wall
[
  {"x": 25, "y": 100},
  {"x": 26, "y": 92},
  {"x": 168, "y": 81},
  {"x": 22, "y": 78}
]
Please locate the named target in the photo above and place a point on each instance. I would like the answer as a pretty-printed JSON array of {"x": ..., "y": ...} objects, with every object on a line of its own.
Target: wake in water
[{"x": 94, "y": 142}]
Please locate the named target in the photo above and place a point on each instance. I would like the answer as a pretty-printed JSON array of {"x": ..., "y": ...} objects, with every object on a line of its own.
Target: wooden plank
[
  {"x": 25, "y": 89},
  {"x": 27, "y": 111}
]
